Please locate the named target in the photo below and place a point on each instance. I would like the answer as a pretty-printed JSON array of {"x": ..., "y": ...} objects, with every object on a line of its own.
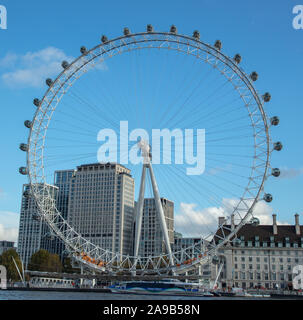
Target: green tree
[
  {"x": 67, "y": 266},
  {"x": 6, "y": 259},
  {"x": 44, "y": 261},
  {"x": 55, "y": 264}
]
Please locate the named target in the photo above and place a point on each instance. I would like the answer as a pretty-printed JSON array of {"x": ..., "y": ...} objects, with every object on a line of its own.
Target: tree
[
  {"x": 6, "y": 259},
  {"x": 55, "y": 264},
  {"x": 67, "y": 266},
  {"x": 44, "y": 261}
]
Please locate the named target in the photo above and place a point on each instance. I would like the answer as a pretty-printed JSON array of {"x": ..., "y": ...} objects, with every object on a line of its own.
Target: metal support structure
[
  {"x": 160, "y": 212},
  {"x": 139, "y": 212},
  {"x": 111, "y": 277},
  {"x": 146, "y": 154},
  {"x": 218, "y": 275},
  {"x": 22, "y": 278}
]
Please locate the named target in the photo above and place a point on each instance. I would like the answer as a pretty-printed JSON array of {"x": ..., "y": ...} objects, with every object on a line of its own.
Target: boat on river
[{"x": 165, "y": 287}]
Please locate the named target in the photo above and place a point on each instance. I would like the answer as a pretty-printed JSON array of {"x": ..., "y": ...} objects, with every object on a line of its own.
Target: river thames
[{"x": 42, "y": 295}]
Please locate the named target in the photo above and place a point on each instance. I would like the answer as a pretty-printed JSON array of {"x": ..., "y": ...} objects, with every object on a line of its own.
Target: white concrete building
[
  {"x": 101, "y": 205},
  {"x": 265, "y": 257}
]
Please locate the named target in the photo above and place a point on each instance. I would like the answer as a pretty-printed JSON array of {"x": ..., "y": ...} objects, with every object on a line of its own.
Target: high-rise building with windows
[
  {"x": 62, "y": 180},
  {"x": 34, "y": 233},
  {"x": 101, "y": 205},
  {"x": 6, "y": 245},
  {"x": 152, "y": 238}
]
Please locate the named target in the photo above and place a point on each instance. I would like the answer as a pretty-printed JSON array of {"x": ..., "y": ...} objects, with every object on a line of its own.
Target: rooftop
[{"x": 267, "y": 233}]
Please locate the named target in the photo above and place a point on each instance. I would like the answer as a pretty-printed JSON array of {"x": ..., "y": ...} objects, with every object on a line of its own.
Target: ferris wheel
[{"x": 157, "y": 80}]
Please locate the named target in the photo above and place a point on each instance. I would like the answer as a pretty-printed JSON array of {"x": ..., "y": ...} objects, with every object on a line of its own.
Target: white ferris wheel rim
[{"x": 77, "y": 244}]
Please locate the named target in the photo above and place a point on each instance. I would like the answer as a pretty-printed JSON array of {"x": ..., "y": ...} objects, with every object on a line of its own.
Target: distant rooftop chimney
[
  {"x": 298, "y": 231},
  {"x": 221, "y": 221},
  {"x": 274, "y": 224}
]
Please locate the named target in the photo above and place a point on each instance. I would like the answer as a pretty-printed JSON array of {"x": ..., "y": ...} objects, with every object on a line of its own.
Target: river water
[{"x": 49, "y": 295}]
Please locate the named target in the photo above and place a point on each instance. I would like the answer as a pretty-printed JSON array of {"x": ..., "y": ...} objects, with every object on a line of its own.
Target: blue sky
[{"x": 260, "y": 30}]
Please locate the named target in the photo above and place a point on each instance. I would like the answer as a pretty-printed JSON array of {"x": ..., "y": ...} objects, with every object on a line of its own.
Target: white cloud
[
  {"x": 33, "y": 68},
  {"x": 9, "y": 234},
  {"x": 9, "y": 222},
  {"x": 290, "y": 173},
  {"x": 193, "y": 222},
  {"x": 9, "y": 60},
  {"x": 9, "y": 219},
  {"x": 262, "y": 210}
]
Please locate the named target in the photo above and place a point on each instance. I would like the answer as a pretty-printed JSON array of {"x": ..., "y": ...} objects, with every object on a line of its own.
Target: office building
[
  {"x": 152, "y": 239},
  {"x": 62, "y": 179},
  {"x": 34, "y": 233},
  {"x": 101, "y": 205},
  {"x": 6, "y": 245}
]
